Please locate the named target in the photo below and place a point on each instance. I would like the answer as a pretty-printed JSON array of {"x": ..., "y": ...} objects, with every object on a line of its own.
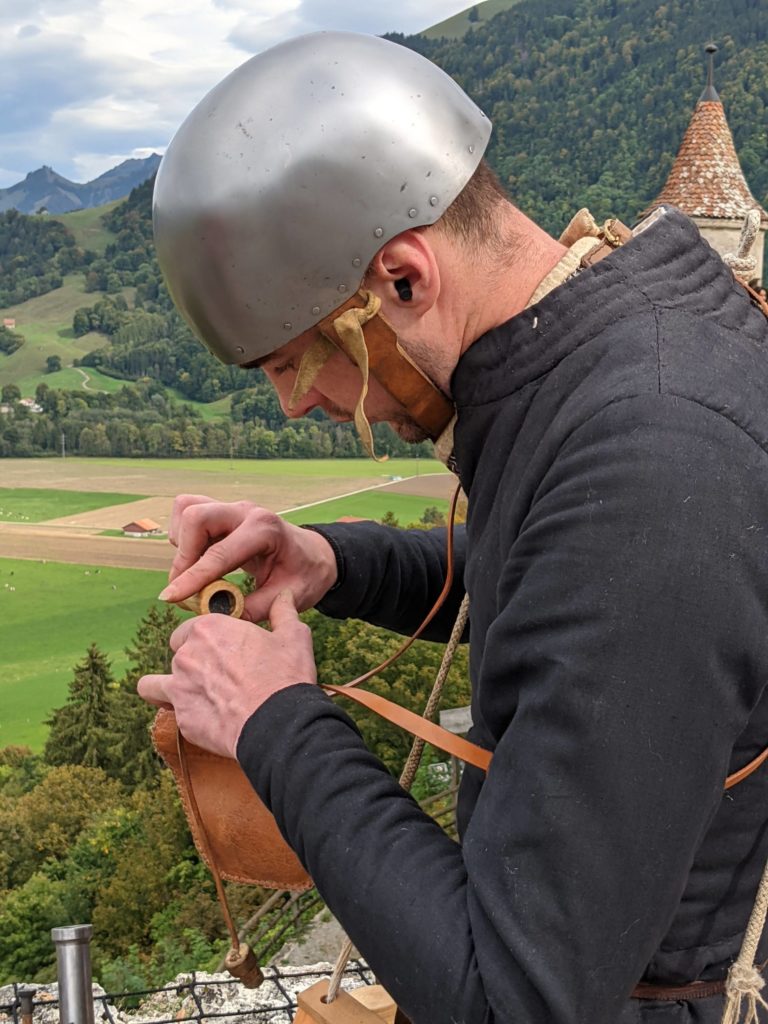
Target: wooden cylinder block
[{"x": 218, "y": 598}]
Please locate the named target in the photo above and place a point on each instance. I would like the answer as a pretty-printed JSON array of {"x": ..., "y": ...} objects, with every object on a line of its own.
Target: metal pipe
[
  {"x": 73, "y": 964},
  {"x": 26, "y": 995}
]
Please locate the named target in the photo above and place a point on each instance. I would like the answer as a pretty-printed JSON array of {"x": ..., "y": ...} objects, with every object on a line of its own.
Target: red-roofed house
[{"x": 142, "y": 528}]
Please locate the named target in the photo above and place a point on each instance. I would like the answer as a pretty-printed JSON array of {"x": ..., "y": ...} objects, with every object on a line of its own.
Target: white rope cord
[
  {"x": 408, "y": 773},
  {"x": 741, "y": 262},
  {"x": 744, "y": 981}
]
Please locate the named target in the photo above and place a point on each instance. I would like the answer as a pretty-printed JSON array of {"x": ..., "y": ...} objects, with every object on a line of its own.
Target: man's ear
[{"x": 405, "y": 275}]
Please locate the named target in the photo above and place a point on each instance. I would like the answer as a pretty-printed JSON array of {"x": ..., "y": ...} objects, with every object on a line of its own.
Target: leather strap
[
  {"x": 425, "y": 729},
  {"x": 746, "y": 771},
  {"x": 396, "y": 371},
  {"x": 757, "y": 299},
  {"x": 674, "y": 993},
  {"x": 612, "y": 234},
  {"x": 457, "y": 746}
]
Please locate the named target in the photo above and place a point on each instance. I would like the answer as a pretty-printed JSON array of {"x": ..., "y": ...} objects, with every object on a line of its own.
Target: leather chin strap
[{"x": 360, "y": 331}]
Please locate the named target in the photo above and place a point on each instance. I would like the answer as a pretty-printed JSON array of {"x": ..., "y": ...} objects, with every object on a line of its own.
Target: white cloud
[{"x": 86, "y": 82}]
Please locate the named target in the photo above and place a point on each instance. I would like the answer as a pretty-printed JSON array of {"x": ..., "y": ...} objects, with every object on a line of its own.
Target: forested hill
[{"x": 590, "y": 98}]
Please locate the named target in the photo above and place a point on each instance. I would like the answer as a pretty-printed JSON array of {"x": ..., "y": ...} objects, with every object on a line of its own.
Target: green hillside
[
  {"x": 87, "y": 226},
  {"x": 590, "y": 98},
  {"x": 46, "y": 324},
  {"x": 457, "y": 26}
]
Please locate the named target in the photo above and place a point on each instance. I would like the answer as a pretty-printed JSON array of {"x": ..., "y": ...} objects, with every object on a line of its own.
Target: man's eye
[{"x": 278, "y": 370}]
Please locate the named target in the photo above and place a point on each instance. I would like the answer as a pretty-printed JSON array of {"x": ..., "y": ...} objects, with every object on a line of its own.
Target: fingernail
[{"x": 163, "y": 595}]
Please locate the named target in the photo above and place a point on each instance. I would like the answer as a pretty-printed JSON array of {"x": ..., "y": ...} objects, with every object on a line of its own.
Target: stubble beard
[
  {"x": 408, "y": 430},
  {"x": 405, "y": 428}
]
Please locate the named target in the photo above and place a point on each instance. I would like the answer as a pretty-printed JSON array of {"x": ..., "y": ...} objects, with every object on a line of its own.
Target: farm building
[{"x": 142, "y": 528}]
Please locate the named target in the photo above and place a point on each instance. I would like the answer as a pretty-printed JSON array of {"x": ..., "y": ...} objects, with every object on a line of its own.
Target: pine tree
[
  {"x": 80, "y": 730},
  {"x": 134, "y": 761}
]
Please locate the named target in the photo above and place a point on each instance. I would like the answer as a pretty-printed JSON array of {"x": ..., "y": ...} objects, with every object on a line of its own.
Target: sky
[{"x": 86, "y": 84}]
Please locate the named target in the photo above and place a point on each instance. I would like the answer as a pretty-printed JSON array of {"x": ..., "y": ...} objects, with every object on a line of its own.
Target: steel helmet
[{"x": 286, "y": 179}]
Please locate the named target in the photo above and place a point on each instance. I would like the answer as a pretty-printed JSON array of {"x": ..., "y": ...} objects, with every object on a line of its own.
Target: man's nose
[{"x": 302, "y": 406}]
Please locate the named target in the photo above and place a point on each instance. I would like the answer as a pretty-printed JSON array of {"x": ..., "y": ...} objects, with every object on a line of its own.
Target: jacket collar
[{"x": 667, "y": 264}]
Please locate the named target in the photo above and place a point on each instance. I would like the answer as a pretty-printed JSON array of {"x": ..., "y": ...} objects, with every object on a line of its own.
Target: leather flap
[{"x": 244, "y": 838}]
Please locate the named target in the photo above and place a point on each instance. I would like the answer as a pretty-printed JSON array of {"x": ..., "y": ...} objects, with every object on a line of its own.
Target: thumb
[{"x": 283, "y": 611}]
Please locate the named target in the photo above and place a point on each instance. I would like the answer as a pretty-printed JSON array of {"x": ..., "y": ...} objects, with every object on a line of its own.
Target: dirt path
[
  {"x": 86, "y": 379},
  {"x": 53, "y": 544}
]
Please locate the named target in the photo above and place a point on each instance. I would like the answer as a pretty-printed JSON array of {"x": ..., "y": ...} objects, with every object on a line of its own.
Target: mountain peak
[
  {"x": 44, "y": 173},
  {"x": 45, "y": 188}
]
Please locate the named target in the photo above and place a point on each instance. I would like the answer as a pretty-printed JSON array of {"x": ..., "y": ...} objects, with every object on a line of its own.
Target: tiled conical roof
[{"x": 706, "y": 179}]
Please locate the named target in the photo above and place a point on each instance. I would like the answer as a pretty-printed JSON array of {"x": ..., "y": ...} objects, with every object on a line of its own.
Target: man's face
[{"x": 336, "y": 390}]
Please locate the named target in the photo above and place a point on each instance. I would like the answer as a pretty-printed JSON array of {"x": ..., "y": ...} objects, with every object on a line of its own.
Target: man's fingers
[
  {"x": 212, "y": 541},
  {"x": 223, "y": 557},
  {"x": 153, "y": 689},
  {"x": 180, "y": 504},
  {"x": 283, "y": 611},
  {"x": 201, "y": 523},
  {"x": 181, "y": 634}
]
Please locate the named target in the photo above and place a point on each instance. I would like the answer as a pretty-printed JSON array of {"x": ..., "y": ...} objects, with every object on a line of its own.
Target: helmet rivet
[
  {"x": 471, "y": 149},
  {"x": 287, "y": 327},
  {"x": 315, "y": 311},
  {"x": 240, "y": 349},
  {"x": 356, "y": 261},
  {"x": 379, "y": 232},
  {"x": 342, "y": 287},
  {"x": 412, "y": 212},
  {"x": 433, "y": 200}
]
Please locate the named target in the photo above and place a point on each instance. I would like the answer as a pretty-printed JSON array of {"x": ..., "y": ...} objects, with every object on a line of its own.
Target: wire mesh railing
[{"x": 200, "y": 998}]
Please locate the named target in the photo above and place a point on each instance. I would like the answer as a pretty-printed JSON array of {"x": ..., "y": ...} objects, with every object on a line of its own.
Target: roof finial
[{"x": 710, "y": 93}]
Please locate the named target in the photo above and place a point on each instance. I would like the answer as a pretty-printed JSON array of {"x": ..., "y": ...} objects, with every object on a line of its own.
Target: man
[{"x": 611, "y": 436}]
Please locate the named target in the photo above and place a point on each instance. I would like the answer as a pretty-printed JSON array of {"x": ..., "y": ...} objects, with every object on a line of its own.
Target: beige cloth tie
[{"x": 349, "y": 328}]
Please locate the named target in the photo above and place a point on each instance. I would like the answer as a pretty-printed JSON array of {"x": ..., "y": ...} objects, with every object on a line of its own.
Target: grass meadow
[
  {"x": 87, "y": 226},
  {"x": 50, "y": 611},
  {"x": 298, "y": 469},
  {"x": 47, "y": 621},
  {"x": 36, "y": 505}
]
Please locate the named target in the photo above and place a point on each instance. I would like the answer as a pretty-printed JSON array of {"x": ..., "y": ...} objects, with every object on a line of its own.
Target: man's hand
[
  {"x": 216, "y": 537},
  {"x": 224, "y": 669}
]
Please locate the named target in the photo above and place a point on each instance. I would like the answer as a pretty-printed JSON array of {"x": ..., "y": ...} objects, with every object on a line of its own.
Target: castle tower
[{"x": 706, "y": 181}]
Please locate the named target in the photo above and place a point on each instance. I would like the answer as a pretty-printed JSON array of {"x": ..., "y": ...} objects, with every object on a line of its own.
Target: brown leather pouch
[{"x": 242, "y": 835}]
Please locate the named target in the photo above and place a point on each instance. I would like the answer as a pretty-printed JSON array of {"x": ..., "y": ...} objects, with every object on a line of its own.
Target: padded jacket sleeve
[
  {"x": 392, "y": 577},
  {"x": 619, "y": 693}
]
